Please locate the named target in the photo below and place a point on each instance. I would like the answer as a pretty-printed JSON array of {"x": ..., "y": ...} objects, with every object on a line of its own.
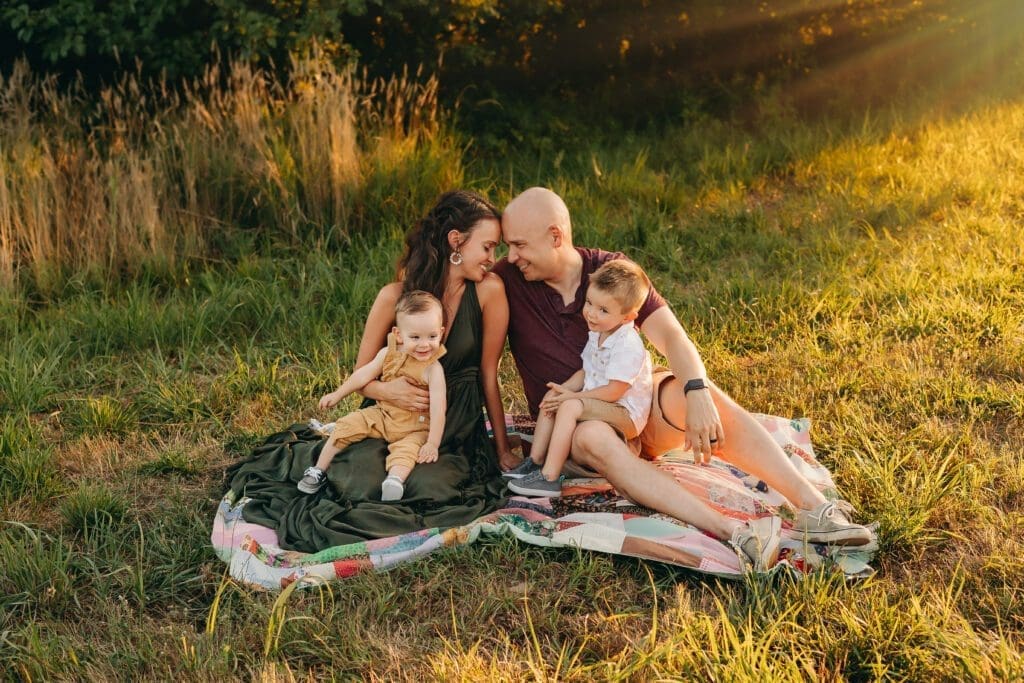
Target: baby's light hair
[
  {"x": 625, "y": 281},
  {"x": 417, "y": 301}
]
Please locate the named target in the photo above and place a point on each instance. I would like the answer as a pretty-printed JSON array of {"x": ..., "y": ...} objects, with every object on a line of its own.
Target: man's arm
[
  {"x": 663, "y": 330},
  {"x": 703, "y": 423}
]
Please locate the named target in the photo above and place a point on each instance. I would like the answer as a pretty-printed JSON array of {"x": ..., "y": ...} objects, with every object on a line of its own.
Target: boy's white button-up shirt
[{"x": 622, "y": 357}]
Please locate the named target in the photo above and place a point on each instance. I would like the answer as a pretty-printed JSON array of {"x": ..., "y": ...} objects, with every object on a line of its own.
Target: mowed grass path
[{"x": 868, "y": 276}]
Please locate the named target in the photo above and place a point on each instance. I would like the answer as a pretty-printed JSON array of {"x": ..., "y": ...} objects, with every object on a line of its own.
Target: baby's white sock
[{"x": 392, "y": 489}]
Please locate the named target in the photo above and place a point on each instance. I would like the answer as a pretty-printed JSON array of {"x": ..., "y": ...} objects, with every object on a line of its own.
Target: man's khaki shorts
[{"x": 660, "y": 435}]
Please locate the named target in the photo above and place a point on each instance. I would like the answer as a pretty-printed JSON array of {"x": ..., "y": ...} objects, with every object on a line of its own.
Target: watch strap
[{"x": 694, "y": 385}]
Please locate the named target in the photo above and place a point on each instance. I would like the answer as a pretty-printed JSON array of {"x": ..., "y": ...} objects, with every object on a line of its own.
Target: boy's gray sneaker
[
  {"x": 313, "y": 480},
  {"x": 524, "y": 468},
  {"x": 829, "y": 523},
  {"x": 536, "y": 486},
  {"x": 758, "y": 542}
]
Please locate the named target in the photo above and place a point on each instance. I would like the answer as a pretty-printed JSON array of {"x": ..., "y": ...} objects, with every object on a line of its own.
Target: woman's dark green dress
[{"x": 462, "y": 485}]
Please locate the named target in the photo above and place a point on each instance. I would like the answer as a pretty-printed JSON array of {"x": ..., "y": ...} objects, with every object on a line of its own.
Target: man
[{"x": 545, "y": 279}]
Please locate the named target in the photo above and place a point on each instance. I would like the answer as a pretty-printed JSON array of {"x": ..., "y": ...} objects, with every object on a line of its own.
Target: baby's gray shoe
[{"x": 313, "y": 480}]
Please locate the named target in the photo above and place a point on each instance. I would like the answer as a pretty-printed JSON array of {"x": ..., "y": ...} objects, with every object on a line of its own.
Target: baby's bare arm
[{"x": 356, "y": 381}]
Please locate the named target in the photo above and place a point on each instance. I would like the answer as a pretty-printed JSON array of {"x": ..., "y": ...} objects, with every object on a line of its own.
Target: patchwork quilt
[{"x": 590, "y": 515}]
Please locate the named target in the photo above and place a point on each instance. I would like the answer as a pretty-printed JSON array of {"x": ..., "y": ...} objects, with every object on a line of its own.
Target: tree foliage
[
  {"x": 175, "y": 37},
  {"x": 628, "y": 50}
]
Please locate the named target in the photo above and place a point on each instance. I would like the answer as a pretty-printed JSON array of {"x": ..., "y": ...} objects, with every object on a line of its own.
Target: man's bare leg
[
  {"x": 596, "y": 445},
  {"x": 750, "y": 447},
  {"x": 747, "y": 445}
]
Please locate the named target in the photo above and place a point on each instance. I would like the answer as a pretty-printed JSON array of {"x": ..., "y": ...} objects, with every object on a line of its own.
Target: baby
[
  {"x": 414, "y": 347},
  {"x": 613, "y": 386}
]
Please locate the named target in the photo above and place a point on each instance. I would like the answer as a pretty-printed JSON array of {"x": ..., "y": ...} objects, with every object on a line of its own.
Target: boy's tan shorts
[{"x": 614, "y": 414}]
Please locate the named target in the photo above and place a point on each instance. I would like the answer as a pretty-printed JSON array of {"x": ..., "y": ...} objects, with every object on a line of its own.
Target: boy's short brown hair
[
  {"x": 417, "y": 301},
  {"x": 625, "y": 281}
]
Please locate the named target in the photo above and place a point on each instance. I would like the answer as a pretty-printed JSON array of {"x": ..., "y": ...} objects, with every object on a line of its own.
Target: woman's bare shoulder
[
  {"x": 489, "y": 288},
  {"x": 389, "y": 293}
]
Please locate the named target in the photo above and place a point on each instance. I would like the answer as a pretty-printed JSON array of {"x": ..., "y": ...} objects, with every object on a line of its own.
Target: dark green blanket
[{"x": 461, "y": 486}]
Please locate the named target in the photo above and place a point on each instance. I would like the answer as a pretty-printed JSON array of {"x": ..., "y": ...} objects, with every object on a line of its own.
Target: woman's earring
[{"x": 455, "y": 258}]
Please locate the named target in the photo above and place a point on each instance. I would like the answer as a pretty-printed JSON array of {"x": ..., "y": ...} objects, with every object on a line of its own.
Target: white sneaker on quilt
[
  {"x": 758, "y": 542},
  {"x": 829, "y": 523}
]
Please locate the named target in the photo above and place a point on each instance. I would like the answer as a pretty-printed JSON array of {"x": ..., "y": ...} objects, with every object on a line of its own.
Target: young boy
[
  {"x": 613, "y": 386},
  {"x": 414, "y": 347}
]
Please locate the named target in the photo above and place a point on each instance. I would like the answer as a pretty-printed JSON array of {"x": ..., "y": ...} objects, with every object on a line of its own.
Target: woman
[{"x": 448, "y": 253}]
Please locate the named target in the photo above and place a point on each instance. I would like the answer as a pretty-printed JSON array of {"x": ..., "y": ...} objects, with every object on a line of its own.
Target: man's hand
[
  {"x": 403, "y": 394},
  {"x": 329, "y": 400},
  {"x": 557, "y": 395},
  {"x": 704, "y": 432},
  {"x": 428, "y": 453}
]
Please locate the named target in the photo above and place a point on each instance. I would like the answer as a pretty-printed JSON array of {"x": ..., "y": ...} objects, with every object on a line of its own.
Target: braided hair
[{"x": 424, "y": 265}]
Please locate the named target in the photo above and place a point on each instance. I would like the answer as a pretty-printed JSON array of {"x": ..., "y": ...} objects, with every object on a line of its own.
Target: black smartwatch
[{"x": 693, "y": 385}]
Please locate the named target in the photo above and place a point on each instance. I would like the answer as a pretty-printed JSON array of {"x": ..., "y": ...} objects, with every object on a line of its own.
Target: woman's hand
[
  {"x": 507, "y": 460},
  {"x": 704, "y": 432},
  {"x": 402, "y": 393}
]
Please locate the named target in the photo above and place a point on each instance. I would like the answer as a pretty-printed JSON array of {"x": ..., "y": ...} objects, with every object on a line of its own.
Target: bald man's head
[
  {"x": 537, "y": 229},
  {"x": 541, "y": 208}
]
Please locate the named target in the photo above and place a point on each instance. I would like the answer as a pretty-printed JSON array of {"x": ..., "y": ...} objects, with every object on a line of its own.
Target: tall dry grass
[{"x": 146, "y": 175}]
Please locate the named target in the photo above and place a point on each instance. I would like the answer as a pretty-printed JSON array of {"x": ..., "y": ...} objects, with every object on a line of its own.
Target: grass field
[{"x": 866, "y": 273}]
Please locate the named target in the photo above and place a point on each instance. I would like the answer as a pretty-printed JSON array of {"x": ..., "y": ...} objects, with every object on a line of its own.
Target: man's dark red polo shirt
[{"x": 546, "y": 336}]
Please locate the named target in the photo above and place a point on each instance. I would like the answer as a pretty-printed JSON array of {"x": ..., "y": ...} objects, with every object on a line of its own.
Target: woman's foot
[
  {"x": 392, "y": 488},
  {"x": 313, "y": 480}
]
